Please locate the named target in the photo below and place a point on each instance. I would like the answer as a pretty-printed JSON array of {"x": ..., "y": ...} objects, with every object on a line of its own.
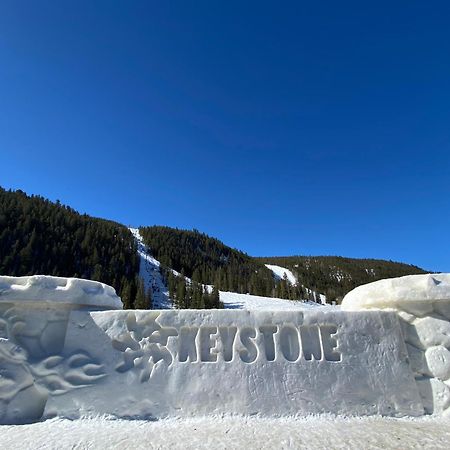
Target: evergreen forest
[{"x": 38, "y": 236}]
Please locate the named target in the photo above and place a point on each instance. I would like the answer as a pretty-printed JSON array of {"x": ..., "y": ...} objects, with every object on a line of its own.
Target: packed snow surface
[
  {"x": 391, "y": 292},
  {"x": 150, "y": 273},
  {"x": 280, "y": 272},
  {"x": 232, "y": 300},
  {"x": 319, "y": 432},
  {"x": 44, "y": 288}
]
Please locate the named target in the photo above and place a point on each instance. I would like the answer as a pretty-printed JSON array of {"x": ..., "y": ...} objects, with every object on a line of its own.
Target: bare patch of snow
[{"x": 280, "y": 272}]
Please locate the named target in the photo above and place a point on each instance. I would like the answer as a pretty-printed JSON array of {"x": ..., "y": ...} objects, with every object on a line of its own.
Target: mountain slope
[
  {"x": 206, "y": 260},
  {"x": 183, "y": 268}
]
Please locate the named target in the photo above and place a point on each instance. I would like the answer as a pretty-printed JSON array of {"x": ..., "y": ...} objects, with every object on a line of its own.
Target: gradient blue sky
[{"x": 281, "y": 128}]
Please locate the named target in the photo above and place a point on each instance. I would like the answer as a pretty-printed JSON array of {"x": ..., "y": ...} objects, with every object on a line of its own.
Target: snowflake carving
[{"x": 144, "y": 345}]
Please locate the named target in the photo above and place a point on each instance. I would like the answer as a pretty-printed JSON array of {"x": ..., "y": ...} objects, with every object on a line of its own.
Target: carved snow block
[
  {"x": 34, "y": 315},
  {"x": 153, "y": 364}
]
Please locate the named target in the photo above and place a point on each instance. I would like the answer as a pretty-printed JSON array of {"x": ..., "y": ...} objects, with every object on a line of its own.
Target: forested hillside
[
  {"x": 334, "y": 276},
  {"x": 207, "y": 260},
  {"x": 41, "y": 237}
]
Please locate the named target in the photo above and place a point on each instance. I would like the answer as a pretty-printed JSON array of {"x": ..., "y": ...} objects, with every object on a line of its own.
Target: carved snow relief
[
  {"x": 68, "y": 360},
  {"x": 144, "y": 345},
  {"x": 185, "y": 363},
  {"x": 31, "y": 365},
  {"x": 34, "y": 366}
]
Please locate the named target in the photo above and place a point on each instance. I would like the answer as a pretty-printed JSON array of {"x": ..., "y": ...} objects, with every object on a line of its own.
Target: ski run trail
[{"x": 150, "y": 273}]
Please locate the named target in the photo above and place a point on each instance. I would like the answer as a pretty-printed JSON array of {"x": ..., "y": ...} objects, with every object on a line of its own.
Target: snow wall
[{"x": 66, "y": 349}]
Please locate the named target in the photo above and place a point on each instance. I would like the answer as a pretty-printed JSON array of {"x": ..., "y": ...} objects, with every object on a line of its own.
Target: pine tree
[
  {"x": 141, "y": 301},
  {"x": 181, "y": 293},
  {"x": 215, "y": 298}
]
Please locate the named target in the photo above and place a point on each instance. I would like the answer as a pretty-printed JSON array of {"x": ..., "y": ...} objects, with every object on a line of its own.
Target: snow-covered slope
[
  {"x": 280, "y": 272},
  {"x": 232, "y": 300},
  {"x": 149, "y": 271}
]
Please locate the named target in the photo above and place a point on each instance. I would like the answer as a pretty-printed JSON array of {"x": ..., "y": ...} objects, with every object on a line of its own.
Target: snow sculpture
[
  {"x": 186, "y": 363},
  {"x": 34, "y": 314},
  {"x": 66, "y": 349},
  {"x": 423, "y": 306}
]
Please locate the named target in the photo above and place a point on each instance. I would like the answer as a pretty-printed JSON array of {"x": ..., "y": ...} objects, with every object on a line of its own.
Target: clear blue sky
[{"x": 305, "y": 127}]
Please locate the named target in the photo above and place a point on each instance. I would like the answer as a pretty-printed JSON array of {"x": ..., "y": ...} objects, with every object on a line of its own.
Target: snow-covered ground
[
  {"x": 149, "y": 271},
  {"x": 320, "y": 432},
  {"x": 232, "y": 300},
  {"x": 280, "y": 272}
]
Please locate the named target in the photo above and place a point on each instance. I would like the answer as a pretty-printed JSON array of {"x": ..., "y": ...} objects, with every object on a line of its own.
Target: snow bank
[
  {"x": 422, "y": 303},
  {"x": 58, "y": 290}
]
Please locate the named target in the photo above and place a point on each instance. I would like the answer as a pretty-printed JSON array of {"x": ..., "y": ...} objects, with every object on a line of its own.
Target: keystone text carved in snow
[{"x": 293, "y": 343}]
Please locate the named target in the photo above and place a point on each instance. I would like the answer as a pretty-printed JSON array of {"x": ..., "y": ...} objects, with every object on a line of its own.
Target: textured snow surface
[
  {"x": 280, "y": 272},
  {"x": 192, "y": 363},
  {"x": 44, "y": 288},
  {"x": 322, "y": 432},
  {"x": 390, "y": 292},
  {"x": 150, "y": 273},
  {"x": 232, "y": 300}
]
